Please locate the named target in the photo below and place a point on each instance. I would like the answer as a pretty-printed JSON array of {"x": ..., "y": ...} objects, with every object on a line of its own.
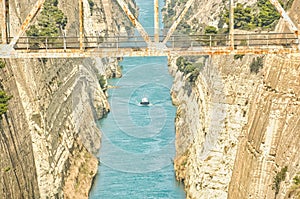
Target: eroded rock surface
[{"x": 49, "y": 134}]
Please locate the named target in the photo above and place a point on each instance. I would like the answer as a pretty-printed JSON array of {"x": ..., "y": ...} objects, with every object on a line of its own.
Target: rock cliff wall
[
  {"x": 18, "y": 171},
  {"x": 49, "y": 132},
  {"x": 237, "y": 132},
  {"x": 210, "y": 116},
  {"x": 59, "y": 100},
  {"x": 270, "y": 140}
]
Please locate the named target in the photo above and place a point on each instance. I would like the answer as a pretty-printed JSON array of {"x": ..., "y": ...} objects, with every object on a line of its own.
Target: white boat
[{"x": 145, "y": 101}]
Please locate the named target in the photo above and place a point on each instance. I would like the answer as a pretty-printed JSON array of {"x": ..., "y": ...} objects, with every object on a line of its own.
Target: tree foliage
[
  {"x": 49, "y": 22},
  {"x": 263, "y": 15},
  {"x": 267, "y": 14}
]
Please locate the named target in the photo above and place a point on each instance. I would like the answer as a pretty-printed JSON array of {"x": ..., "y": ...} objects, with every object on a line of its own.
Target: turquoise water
[{"x": 138, "y": 141}]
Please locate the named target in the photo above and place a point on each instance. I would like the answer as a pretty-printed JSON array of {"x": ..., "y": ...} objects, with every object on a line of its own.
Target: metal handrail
[{"x": 176, "y": 41}]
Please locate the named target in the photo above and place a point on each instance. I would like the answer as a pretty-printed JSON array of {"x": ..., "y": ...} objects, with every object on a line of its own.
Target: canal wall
[
  {"x": 49, "y": 134},
  {"x": 210, "y": 117},
  {"x": 237, "y": 131}
]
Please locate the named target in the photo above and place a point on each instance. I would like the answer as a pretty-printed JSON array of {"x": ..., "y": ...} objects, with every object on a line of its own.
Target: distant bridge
[{"x": 145, "y": 45}]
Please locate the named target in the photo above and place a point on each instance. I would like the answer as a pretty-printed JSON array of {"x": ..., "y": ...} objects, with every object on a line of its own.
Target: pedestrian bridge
[
  {"x": 145, "y": 45},
  {"x": 210, "y": 44}
]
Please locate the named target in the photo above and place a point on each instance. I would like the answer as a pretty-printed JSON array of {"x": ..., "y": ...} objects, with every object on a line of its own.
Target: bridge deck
[
  {"x": 130, "y": 52},
  {"x": 63, "y": 47}
]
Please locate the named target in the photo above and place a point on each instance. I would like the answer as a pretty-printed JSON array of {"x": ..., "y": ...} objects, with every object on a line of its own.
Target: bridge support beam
[
  {"x": 4, "y": 20},
  {"x": 27, "y": 21},
  {"x": 286, "y": 17},
  {"x": 231, "y": 24},
  {"x": 177, "y": 21},
  {"x": 81, "y": 33},
  {"x": 156, "y": 22},
  {"x": 135, "y": 22}
]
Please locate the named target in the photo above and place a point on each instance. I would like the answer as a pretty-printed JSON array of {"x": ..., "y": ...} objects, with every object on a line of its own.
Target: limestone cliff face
[
  {"x": 18, "y": 171},
  {"x": 270, "y": 140},
  {"x": 49, "y": 133},
  {"x": 237, "y": 131},
  {"x": 210, "y": 116},
  {"x": 59, "y": 100}
]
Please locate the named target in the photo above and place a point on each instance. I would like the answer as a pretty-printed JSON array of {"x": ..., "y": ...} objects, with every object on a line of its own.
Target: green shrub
[
  {"x": 184, "y": 28},
  {"x": 243, "y": 17},
  {"x": 243, "y": 42},
  {"x": 102, "y": 81},
  {"x": 4, "y": 98},
  {"x": 191, "y": 70},
  {"x": 280, "y": 176},
  {"x": 296, "y": 180},
  {"x": 256, "y": 64},
  {"x": 6, "y": 169},
  {"x": 2, "y": 64},
  {"x": 194, "y": 74},
  {"x": 210, "y": 30},
  {"x": 238, "y": 56}
]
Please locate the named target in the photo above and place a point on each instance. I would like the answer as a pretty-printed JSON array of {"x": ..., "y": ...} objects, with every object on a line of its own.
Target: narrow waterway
[{"x": 138, "y": 141}]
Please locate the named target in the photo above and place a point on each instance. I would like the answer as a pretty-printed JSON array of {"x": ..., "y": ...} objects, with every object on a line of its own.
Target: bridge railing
[
  {"x": 266, "y": 39},
  {"x": 38, "y": 43},
  {"x": 240, "y": 40},
  {"x": 191, "y": 42}
]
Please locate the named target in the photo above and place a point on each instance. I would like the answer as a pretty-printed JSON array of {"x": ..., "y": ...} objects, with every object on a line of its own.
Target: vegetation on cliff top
[
  {"x": 263, "y": 15},
  {"x": 50, "y": 21}
]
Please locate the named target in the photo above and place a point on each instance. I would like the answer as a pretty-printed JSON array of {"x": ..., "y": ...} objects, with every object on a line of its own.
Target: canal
[{"x": 138, "y": 141}]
